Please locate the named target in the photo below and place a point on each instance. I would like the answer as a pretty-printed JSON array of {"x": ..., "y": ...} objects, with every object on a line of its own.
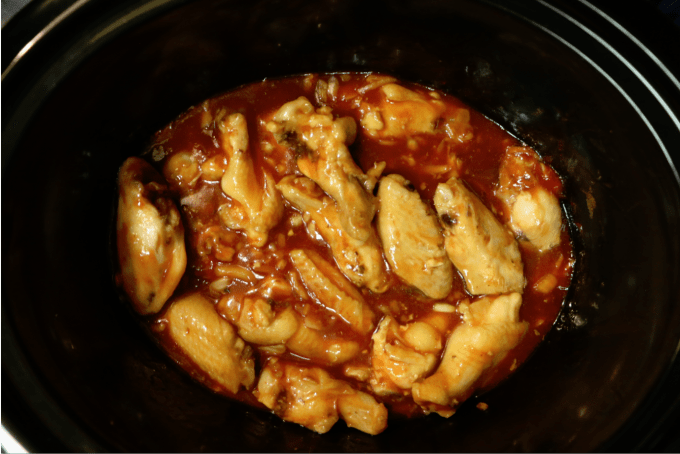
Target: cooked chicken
[
  {"x": 412, "y": 238},
  {"x": 374, "y": 81},
  {"x": 257, "y": 321},
  {"x": 402, "y": 354},
  {"x": 537, "y": 215},
  {"x": 332, "y": 290},
  {"x": 150, "y": 237},
  {"x": 324, "y": 157},
  {"x": 182, "y": 172},
  {"x": 401, "y": 113},
  {"x": 212, "y": 240},
  {"x": 360, "y": 260},
  {"x": 210, "y": 342},
  {"x": 256, "y": 207},
  {"x": 457, "y": 125},
  {"x": 482, "y": 249},
  {"x": 361, "y": 411},
  {"x": 274, "y": 287},
  {"x": 534, "y": 212},
  {"x": 309, "y": 342},
  {"x": 346, "y": 242},
  {"x": 490, "y": 329},
  {"x": 260, "y": 323},
  {"x": 311, "y": 397}
]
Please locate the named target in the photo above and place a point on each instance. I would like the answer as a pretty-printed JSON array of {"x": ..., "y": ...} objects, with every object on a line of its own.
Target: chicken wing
[
  {"x": 150, "y": 237},
  {"x": 480, "y": 247},
  {"x": 311, "y": 397},
  {"x": 324, "y": 157},
  {"x": 401, "y": 113},
  {"x": 258, "y": 207},
  {"x": 412, "y": 238},
  {"x": 360, "y": 260},
  {"x": 534, "y": 212},
  {"x": 257, "y": 321},
  {"x": 491, "y": 328},
  {"x": 332, "y": 290},
  {"x": 402, "y": 354},
  {"x": 309, "y": 342},
  {"x": 210, "y": 342}
]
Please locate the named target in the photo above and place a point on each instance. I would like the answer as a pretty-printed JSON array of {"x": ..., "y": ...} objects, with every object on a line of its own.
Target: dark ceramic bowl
[{"x": 596, "y": 91}]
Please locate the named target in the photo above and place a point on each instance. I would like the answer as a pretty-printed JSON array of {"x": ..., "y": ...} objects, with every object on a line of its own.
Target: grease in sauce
[{"x": 347, "y": 347}]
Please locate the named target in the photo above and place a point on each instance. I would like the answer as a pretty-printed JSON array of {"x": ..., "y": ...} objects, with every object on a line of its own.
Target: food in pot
[{"x": 338, "y": 246}]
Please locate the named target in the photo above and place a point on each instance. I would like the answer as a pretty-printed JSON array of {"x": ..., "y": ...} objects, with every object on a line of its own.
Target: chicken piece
[
  {"x": 211, "y": 342},
  {"x": 260, "y": 323},
  {"x": 258, "y": 207},
  {"x": 360, "y": 260},
  {"x": 215, "y": 241},
  {"x": 359, "y": 372},
  {"x": 537, "y": 216},
  {"x": 534, "y": 212},
  {"x": 457, "y": 125},
  {"x": 311, "y": 343},
  {"x": 412, "y": 238},
  {"x": 275, "y": 287},
  {"x": 490, "y": 329},
  {"x": 311, "y": 397},
  {"x": 150, "y": 237},
  {"x": 257, "y": 321},
  {"x": 324, "y": 157},
  {"x": 401, "y": 113},
  {"x": 480, "y": 247},
  {"x": 361, "y": 411},
  {"x": 332, "y": 290},
  {"x": 182, "y": 172},
  {"x": 376, "y": 81},
  {"x": 402, "y": 355}
]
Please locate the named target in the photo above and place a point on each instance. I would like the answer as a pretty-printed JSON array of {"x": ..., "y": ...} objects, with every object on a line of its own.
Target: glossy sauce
[{"x": 431, "y": 162}]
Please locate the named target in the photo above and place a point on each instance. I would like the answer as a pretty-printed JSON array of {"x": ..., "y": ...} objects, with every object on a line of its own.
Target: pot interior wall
[{"x": 611, "y": 343}]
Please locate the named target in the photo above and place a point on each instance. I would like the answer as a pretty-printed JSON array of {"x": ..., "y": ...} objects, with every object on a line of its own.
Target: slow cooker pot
[{"x": 594, "y": 90}]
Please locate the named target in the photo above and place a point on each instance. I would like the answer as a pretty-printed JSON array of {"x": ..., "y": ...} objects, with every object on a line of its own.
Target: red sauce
[{"x": 478, "y": 161}]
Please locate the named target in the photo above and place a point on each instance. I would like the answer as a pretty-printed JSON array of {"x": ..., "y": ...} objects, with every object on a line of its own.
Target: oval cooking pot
[{"x": 595, "y": 92}]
